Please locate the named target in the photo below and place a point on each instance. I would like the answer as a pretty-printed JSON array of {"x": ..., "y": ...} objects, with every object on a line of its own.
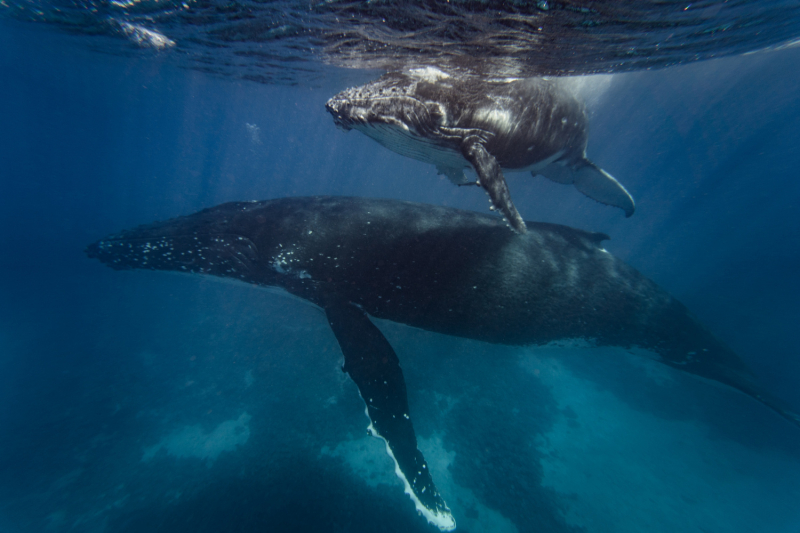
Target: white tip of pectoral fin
[{"x": 434, "y": 508}]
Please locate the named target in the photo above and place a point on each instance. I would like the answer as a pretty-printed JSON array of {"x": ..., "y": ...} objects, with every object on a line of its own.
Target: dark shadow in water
[
  {"x": 499, "y": 461},
  {"x": 297, "y": 496},
  {"x": 725, "y": 413},
  {"x": 490, "y": 413}
]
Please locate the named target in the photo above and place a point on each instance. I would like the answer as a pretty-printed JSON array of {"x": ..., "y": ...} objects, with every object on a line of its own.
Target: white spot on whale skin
[{"x": 278, "y": 268}]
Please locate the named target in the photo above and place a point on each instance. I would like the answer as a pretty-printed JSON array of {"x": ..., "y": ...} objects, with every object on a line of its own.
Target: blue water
[{"x": 134, "y": 401}]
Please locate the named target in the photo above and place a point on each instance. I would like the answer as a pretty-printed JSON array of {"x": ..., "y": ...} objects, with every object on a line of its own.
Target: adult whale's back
[{"x": 439, "y": 269}]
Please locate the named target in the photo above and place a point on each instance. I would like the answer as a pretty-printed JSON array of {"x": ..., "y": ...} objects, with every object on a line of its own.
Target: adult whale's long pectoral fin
[
  {"x": 372, "y": 364},
  {"x": 491, "y": 178},
  {"x": 592, "y": 181}
]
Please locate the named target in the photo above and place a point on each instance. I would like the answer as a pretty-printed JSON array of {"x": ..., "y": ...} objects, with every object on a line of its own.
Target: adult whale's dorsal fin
[
  {"x": 372, "y": 364},
  {"x": 592, "y": 181},
  {"x": 491, "y": 178},
  {"x": 598, "y": 237}
]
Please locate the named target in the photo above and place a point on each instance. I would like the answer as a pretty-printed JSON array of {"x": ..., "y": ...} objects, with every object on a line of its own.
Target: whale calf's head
[
  {"x": 391, "y": 111},
  {"x": 390, "y": 100}
]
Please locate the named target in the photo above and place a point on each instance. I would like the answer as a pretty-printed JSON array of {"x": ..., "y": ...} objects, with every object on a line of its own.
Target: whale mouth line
[{"x": 365, "y": 105}]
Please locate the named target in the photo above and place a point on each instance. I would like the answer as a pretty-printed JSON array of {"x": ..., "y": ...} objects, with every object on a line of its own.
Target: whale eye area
[{"x": 438, "y": 114}]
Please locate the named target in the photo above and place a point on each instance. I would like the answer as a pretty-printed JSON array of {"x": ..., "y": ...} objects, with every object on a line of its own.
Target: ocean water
[{"x": 145, "y": 401}]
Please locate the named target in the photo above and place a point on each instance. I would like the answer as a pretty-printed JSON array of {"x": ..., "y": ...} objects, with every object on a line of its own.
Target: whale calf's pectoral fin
[
  {"x": 592, "y": 181},
  {"x": 455, "y": 175},
  {"x": 491, "y": 178},
  {"x": 372, "y": 364}
]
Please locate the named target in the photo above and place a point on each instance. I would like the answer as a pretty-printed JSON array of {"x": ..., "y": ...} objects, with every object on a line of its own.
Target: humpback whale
[
  {"x": 532, "y": 124},
  {"x": 440, "y": 269}
]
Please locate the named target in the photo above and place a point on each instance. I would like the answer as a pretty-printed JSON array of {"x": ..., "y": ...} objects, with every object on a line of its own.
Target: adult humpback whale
[
  {"x": 527, "y": 124},
  {"x": 439, "y": 269}
]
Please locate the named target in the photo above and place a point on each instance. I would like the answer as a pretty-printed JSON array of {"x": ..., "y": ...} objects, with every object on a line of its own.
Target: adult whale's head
[{"x": 214, "y": 241}]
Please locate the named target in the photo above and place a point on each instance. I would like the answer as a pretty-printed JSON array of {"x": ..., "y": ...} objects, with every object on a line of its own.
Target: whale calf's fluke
[
  {"x": 439, "y": 269},
  {"x": 533, "y": 124}
]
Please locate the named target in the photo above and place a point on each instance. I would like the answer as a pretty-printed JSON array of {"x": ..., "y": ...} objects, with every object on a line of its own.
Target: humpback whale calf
[
  {"x": 435, "y": 268},
  {"x": 454, "y": 123}
]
